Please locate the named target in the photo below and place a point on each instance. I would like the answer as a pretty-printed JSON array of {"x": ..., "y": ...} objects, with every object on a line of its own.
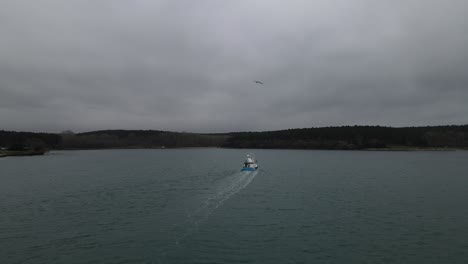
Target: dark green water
[{"x": 194, "y": 206}]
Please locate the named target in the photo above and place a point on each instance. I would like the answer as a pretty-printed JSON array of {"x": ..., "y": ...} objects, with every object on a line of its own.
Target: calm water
[{"x": 194, "y": 206}]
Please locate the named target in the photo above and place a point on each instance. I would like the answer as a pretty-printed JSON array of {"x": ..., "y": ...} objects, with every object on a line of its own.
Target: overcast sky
[{"x": 186, "y": 65}]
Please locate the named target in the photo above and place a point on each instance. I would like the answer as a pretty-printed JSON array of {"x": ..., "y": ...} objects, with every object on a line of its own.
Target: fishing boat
[{"x": 250, "y": 163}]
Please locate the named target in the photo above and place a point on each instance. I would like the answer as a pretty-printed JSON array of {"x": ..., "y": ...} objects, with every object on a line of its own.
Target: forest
[
  {"x": 339, "y": 138},
  {"x": 354, "y": 138}
]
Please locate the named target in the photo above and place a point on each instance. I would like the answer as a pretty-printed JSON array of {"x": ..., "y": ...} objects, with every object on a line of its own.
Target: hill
[
  {"x": 345, "y": 137},
  {"x": 354, "y": 137},
  {"x": 139, "y": 139}
]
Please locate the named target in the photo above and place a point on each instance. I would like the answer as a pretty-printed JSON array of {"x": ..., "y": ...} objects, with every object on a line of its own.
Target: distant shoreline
[
  {"x": 4, "y": 154},
  {"x": 362, "y": 138},
  {"x": 216, "y": 147},
  {"x": 19, "y": 153},
  {"x": 415, "y": 149}
]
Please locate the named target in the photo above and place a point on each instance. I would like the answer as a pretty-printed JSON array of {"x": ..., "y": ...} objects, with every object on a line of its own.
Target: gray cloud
[{"x": 189, "y": 65}]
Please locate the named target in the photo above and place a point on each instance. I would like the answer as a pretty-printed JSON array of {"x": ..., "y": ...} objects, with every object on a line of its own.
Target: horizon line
[{"x": 254, "y": 131}]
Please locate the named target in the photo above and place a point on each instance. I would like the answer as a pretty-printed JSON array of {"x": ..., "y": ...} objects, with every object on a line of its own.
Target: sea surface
[{"x": 195, "y": 206}]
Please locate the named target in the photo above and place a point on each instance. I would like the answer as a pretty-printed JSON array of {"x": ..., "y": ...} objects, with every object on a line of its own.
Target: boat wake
[
  {"x": 223, "y": 190},
  {"x": 227, "y": 188}
]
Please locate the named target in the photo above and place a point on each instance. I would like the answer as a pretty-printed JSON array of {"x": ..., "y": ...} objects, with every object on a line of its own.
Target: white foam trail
[
  {"x": 225, "y": 190},
  {"x": 230, "y": 186}
]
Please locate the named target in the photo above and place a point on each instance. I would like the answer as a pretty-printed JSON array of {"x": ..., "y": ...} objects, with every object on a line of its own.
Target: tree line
[
  {"x": 354, "y": 137},
  {"x": 344, "y": 137},
  {"x": 13, "y": 140},
  {"x": 139, "y": 139}
]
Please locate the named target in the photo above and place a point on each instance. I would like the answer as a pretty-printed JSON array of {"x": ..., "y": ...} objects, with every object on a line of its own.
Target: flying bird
[{"x": 259, "y": 82}]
